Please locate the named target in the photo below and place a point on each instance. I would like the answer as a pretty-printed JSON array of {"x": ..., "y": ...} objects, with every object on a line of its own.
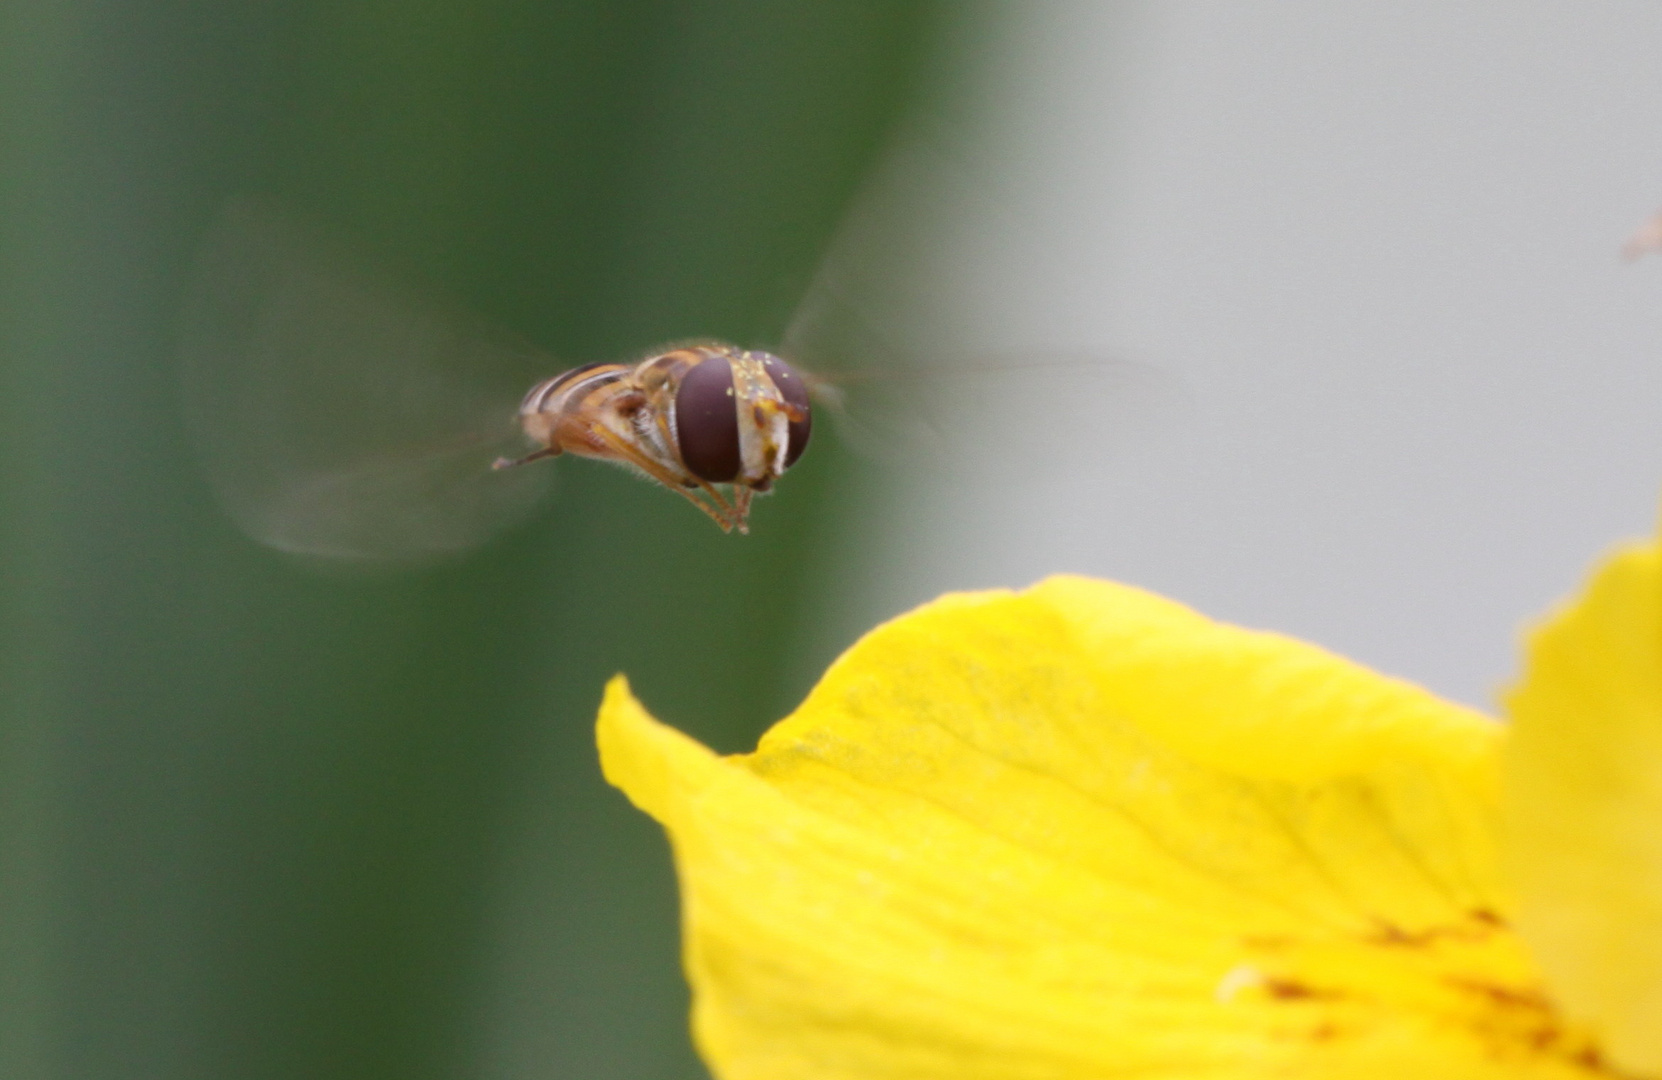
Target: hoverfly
[
  {"x": 689, "y": 417},
  {"x": 341, "y": 415}
]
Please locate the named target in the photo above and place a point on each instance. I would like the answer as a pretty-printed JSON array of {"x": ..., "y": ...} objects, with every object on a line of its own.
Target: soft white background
[{"x": 1374, "y": 249}]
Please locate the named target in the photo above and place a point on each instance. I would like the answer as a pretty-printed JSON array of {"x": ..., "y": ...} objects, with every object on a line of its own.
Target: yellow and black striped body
[{"x": 688, "y": 417}]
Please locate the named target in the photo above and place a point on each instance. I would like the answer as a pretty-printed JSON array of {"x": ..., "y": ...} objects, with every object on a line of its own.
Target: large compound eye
[
  {"x": 707, "y": 421},
  {"x": 795, "y": 391}
]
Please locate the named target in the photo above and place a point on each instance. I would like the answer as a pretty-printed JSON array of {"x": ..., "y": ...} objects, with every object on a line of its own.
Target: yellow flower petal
[
  {"x": 1584, "y": 806},
  {"x": 1083, "y": 832}
]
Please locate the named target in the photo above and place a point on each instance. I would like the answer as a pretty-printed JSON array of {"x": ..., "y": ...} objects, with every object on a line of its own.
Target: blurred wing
[
  {"x": 891, "y": 398},
  {"x": 947, "y": 414},
  {"x": 881, "y": 338},
  {"x": 337, "y": 415},
  {"x": 876, "y": 397}
]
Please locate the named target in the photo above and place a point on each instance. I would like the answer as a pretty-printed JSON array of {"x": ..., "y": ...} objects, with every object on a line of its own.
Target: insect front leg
[{"x": 722, "y": 513}]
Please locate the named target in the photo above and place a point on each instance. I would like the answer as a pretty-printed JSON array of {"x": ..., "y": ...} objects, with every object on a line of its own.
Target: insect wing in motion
[
  {"x": 942, "y": 411},
  {"x": 343, "y": 417},
  {"x": 337, "y": 415}
]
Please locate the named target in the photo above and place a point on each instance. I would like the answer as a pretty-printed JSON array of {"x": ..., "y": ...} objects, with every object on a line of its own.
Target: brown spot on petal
[
  {"x": 1503, "y": 996},
  {"x": 1293, "y": 990},
  {"x": 1482, "y": 924}
]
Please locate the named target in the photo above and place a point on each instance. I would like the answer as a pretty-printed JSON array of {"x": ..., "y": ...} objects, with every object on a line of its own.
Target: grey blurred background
[{"x": 1360, "y": 363}]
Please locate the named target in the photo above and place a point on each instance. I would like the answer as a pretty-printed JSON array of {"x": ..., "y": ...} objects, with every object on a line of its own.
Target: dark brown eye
[
  {"x": 795, "y": 391},
  {"x": 707, "y": 422}
]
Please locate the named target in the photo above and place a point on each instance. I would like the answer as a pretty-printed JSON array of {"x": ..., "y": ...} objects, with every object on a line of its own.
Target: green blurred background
[{"x": 261, "y": 822}]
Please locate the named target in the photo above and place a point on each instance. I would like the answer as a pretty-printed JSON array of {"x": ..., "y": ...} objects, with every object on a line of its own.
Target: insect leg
[
  {"x": 741, "y": 506},
  {"x": 536, "y": 455},
  {"x": 738, "y": 516},
  {"x": 721, "y": 516}
]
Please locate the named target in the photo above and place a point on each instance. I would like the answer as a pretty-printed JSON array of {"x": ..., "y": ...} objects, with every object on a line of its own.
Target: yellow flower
[
  {"x": 1081, "y": 832},
  {"x": 1584, "y": 807}
]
